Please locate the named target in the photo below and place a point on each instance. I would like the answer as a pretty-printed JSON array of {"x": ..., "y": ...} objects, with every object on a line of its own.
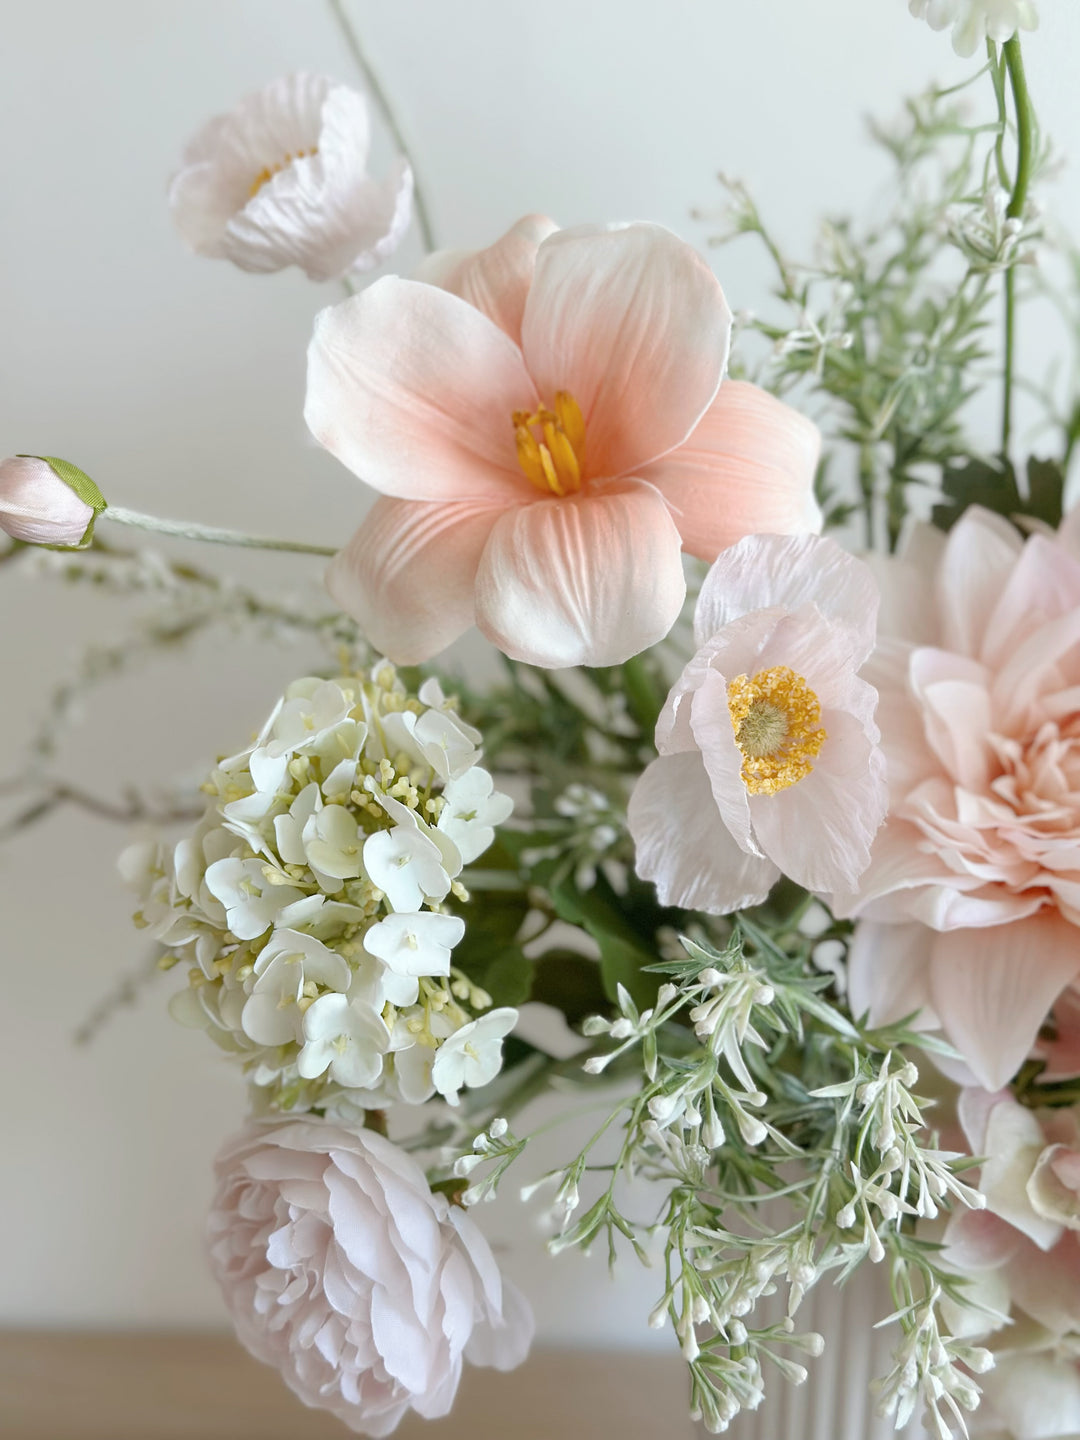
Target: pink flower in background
[
  {"x": 547, "y": 425},
  {"x": 979, "y": 677},
  {"x": 768, "y": 749},
  {"x": 345, "y": 1272},
  {"x": 283, "y": 180}
]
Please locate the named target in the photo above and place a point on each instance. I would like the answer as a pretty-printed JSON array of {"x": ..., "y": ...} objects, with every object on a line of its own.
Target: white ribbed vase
[{"x": 835, "y": 1403}]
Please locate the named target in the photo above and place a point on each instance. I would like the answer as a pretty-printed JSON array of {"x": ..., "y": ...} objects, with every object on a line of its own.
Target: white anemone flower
[
  {"x": 976, "y": 21},
  {"x": 283, "y": 180},
  {"x": 472, "y": 1056},
  {"x": 345, "y": 1037}
]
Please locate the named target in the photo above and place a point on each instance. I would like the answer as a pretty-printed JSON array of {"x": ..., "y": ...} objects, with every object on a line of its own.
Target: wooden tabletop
[{"x": 181, "y": 1386}]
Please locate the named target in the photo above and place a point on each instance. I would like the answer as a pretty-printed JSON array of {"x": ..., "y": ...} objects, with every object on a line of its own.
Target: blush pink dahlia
[
  {"x": 768, "y": 758},
  {"x": 345, "y": 1272},
  {"x": 546, "y": 424},
  {"x": 979, "y": 677}
]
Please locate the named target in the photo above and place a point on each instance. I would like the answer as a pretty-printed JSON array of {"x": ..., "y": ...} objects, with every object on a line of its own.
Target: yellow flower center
[
  {"x": 777, "y": 722},
  {"x": 269, "y": 171},
  {"x": 551, "y": 445}
]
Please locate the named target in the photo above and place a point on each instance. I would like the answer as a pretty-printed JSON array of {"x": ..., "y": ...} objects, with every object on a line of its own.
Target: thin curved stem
[
  {"x": 1025, "y": 148},
  {"x": 382, "y": 100},
  {"x": 209, "y": 534}
]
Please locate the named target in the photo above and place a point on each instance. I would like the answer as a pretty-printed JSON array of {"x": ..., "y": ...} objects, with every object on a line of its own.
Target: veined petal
[
  {"x": 683, "y": 846},
  {"x": 993, "y": 987},
  {"x": 408, "y": 575},
  {"x": 633, "y": 323},
  {"x": 790, "y": 571},
  {"x": 748, "y": 468},
  {"x": 588, "y": 579},
  {"x": 414, "y": 391},
  {"x": 495, "y": 280}
]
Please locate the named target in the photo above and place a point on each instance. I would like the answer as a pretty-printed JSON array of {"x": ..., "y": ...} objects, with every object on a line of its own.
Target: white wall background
[{"x": 178, "y": 384}]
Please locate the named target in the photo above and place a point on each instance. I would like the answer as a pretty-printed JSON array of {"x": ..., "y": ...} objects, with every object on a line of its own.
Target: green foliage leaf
[{"x": 995, "y": 486}]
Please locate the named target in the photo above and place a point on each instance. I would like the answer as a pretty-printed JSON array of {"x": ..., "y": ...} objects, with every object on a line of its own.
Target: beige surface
[{"x": 180, "y": 1386}]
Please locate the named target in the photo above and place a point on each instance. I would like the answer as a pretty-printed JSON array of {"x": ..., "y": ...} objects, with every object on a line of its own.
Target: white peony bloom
[
  {"x": 976, "y": 21},
  {"x": 472, "y": 1055},
  {"x": 343, "y": 1270},
  {"x": 283, "y": 180}
]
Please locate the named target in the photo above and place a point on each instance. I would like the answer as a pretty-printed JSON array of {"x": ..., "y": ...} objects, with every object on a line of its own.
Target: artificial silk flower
[
  {"x": 768, "y": 760},
  {"x": 546, "y": 425},
  {"x": 344, "y": 1271},
  {"x": 472, "y": 1056},
  {"x": 283, "y": 180},
  {"x": 976, "y": 21},
  {"x": 978, "y": 669},
  {"x": 40, "y": 506}
]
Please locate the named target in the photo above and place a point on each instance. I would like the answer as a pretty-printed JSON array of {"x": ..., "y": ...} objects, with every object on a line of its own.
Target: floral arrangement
[{"x": 781, "y": 824}]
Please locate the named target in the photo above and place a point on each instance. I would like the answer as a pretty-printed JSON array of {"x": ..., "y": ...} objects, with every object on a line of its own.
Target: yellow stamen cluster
[
  {"x": 551, "y": 445},
  {"x": 777, "y": 722},
  {"x": 269, "y": 171}
]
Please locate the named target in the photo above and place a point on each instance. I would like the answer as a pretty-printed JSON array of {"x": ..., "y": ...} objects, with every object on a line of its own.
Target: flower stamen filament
[
  {"x": 551, "y": 445},
  {"x": 776, "y": 718},
  {"x": 268, "y": 172}
]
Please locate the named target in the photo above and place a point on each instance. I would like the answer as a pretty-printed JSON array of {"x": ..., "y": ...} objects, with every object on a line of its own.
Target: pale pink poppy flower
[
  {"x": 768, "y": 749},
  {"x": 283, "y": 180},
  {"x": 547, "y": 426},
  {"x": 344, "y": 1271},
  {"x": 979, "y": 676}
]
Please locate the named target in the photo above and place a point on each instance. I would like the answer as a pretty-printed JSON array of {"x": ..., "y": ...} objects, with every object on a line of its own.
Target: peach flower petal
[
  {"x": 413, "y": 391},
  {"x": 889, "y": 974},
  {"x": 994, "y": 987},
  {"x": 495, "y": 280},
  {"x": 748, "y": 468},
  {"x": 685, "y": 848},
  {"x": 633, "y": 323},
  {"x": 588, "y": 579},
  {"x": 408, "y": 575},
  {"x": 980, "y": 554}
]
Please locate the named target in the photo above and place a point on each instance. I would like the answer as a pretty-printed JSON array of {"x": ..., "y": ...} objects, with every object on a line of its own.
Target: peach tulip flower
[{"x": 546, "y": 424}]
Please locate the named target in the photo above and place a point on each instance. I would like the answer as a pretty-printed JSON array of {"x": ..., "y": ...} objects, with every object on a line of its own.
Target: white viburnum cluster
[
  {"x": 976, "y": 21},
  {"x": 309, "y": 904}
]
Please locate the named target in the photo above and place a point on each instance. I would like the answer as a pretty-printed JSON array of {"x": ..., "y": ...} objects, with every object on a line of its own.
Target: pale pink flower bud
[{"x": 36, "y": 505}]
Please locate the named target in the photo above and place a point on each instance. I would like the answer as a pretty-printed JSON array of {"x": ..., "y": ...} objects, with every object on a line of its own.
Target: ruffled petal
[
  {"x": 790, "y": 571},
  {"x": 589, "y": 579},
  {"x": 710, "y": 724},
  {"x": 993, "y": 988},
  {"x": 495, "y": 280},
  {"x": 908, "y": 610},
  {"x": 683, "y": 846},
  {"x": 748, "y": 468},
  {"x": 633, "y": 323},
  {"x": 414, "y": 391},
  {"x": 408, "y": 575},
  {"x": 980, "y": 554}
]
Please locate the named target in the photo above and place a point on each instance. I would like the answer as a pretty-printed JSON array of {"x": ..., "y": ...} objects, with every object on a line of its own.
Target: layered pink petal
[
  {"x": 633, "y": 323},
  {"x": 994, "y": 987},
  {"x": 980, "y": 554},
  {"x": 889, "y": 974},
  {"x": 408, "y": 575},
  {"x": 414, "y": 391},
  {"x": 1044, "y": 583},
  {"x": 495, "y": 280},
  {"x": 684, "y": 847},
  {"x": 791, "y": 571},
  {"x": 906, "y": 581},
  {"x": 748, "y": 468},
  {"x": 589, "y": 579}
]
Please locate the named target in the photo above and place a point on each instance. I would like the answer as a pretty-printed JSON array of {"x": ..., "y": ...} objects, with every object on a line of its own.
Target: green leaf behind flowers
[{"x": 995, "y": 486}]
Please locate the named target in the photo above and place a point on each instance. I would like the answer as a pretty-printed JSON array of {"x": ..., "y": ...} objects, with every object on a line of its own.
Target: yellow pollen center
[
  {"x": 269, "y": 171},
  {"x": 551, "y": 445},
  {"x": 777, "y": 722}
]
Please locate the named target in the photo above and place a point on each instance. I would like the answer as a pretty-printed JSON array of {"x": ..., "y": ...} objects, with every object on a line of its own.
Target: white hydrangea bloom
[
  {"x": 976, "y": 21},
  {"x": 310, "y": 903}
]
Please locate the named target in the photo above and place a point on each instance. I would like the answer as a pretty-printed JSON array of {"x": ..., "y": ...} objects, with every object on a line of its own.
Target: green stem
[
  {"x": 382, "y": 100},
  {"x": 209, "y": 534},
  {"x": 1025, "y": 148}
]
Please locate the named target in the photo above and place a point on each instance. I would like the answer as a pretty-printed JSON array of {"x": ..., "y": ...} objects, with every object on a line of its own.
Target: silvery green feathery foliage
[{"x": 788, "y": 1145}]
